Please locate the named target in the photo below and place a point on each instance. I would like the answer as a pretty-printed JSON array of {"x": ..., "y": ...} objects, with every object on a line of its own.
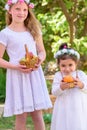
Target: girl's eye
[
  {"x": 17, "y": 8},
  {"x": 25, "y": 9},
  {"x": 70, "y": 64},
  {"x": 62, "y": 65}
]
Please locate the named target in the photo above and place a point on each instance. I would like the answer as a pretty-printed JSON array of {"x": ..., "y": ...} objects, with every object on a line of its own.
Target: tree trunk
[
  {"x": 84, "y": 33},
  {"x": 71, "y": 18}
]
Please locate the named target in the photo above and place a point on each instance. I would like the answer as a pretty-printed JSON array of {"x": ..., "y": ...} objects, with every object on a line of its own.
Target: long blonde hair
[{"x": 31, "y": 23}]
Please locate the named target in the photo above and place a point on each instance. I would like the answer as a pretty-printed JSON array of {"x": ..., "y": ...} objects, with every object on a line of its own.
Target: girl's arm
[
  {"x": 4, "y": 63},
  {"x": 81, "y": 81},
  {"x": 40, "y": 49},
  {"x": 56, "y": 89},
  {"x": 7, "y": 65}
]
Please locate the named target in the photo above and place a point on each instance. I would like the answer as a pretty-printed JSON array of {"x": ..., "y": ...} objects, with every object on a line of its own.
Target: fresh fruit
[
  {"x": 69, "y": 79},
  {"x": 30, "y": 60},
  {"x": 22, "y": 61}
]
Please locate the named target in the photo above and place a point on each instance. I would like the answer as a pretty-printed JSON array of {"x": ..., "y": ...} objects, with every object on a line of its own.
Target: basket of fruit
[{"x": 29, "y": 60}]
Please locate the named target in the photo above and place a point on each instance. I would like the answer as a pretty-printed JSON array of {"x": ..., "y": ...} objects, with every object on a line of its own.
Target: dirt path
[{"x": 1, "y": 109}]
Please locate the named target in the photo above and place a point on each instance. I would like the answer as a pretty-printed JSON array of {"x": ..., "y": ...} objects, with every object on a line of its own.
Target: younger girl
[
  {"x": 70, "y": 88},
  {"x": 26, "y": 89}
]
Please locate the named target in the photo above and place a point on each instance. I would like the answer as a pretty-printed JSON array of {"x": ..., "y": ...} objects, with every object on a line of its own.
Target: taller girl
[{"x": 26, "y": 89}]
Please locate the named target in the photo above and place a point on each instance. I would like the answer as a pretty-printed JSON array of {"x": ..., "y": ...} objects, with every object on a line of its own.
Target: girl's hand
[
  {"x": 78, "y": 83},
  {"x": 27, "y": 70},
  {"x": 64, "y": 85},
  {"x": 23, "y": 69},
  {"x": 38, "y": 64}
]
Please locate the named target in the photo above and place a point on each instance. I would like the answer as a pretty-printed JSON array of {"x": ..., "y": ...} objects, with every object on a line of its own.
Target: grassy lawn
[{"x": 8, "y": 123}]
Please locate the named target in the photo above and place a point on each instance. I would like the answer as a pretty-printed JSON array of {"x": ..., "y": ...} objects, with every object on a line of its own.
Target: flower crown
[
  {"x": 68, "y": 51},
  {"x": 10, "y": 2}
]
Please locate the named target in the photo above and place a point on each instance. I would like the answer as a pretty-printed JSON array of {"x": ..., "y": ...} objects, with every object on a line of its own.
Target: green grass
[{"x": 7, "y": 123}]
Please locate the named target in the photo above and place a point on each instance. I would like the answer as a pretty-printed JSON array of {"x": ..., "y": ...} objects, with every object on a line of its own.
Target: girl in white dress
[
  {"x": 70, "y": 88},
  {"x": 26, "y": 89}
]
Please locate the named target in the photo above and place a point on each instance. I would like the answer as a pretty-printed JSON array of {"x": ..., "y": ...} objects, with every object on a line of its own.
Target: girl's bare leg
[
  {"x": 37, "y": 118},
  {"x": 20, "y": 123}
]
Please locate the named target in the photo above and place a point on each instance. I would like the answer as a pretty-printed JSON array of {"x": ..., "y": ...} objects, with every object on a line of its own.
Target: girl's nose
[
  {"x": 67, "y": 68},
  {"x": 21, "y": 12}
]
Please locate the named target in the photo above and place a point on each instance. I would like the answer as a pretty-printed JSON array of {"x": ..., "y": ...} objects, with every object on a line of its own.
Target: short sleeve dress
[
  {"x": 70, "y": 108},
  {"x": 25, "y": 92}
]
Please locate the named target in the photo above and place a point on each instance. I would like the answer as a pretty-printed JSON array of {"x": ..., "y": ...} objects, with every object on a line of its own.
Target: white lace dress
[
  {"x": 70, "y": 108},
  {"x": 24, "y": 92}
]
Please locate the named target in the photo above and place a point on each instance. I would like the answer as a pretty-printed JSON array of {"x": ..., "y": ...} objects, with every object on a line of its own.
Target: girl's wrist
[
  {"x": 61, "y": 87},
  {"x": 81, "y": 86},
  {"x": 41, "y": 58},
  {"x": 14, "y": 67}
]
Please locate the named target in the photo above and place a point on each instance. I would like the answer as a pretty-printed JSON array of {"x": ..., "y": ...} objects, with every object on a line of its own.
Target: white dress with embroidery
[
  {"x": 25, "y": 92},
  {"x": 70, "y": 108}
]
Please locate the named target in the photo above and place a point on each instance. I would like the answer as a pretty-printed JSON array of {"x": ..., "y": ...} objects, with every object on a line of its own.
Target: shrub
[{"x": 2, "y": 85}]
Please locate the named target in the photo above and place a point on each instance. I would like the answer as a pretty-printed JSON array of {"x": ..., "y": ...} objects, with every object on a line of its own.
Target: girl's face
[
  {"x": 19, "y": 12},
  {"x": 67, "y": 66}
]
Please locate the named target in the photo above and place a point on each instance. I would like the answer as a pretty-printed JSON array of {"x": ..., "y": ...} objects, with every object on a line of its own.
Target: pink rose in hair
[
  {"x": 21, "y": 1},
  {"x": 9, "y": 2},
  {"x": 31, "y": 5},
  {"x": 65, "y": 46}
]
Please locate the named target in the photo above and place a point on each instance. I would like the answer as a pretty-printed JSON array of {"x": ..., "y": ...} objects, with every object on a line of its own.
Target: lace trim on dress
[{"x": 20, "y": 110}]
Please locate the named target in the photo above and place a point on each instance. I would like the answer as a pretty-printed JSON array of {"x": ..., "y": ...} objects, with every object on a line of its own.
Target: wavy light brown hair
[{"x": 31, "y": 23}]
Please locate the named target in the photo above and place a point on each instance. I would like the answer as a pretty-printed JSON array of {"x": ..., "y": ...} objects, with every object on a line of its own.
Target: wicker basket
[{"x": 53, "y": 98}]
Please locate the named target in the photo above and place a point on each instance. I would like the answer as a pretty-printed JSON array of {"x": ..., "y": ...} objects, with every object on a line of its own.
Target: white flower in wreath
[
  {"x": 7, "y": 7},
  {"x": 72, "y": 52},
  {"x": 57, "y": 54},
  {"x": 64, "y": 51},
  {"x": 77, "y": 55},
  {"x": 14, "y": 1},
  {"x": 27, "y": 1}
]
